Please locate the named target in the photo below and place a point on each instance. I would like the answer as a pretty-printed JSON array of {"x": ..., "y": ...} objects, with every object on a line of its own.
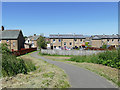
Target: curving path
[{"x": 79, "y": 77}]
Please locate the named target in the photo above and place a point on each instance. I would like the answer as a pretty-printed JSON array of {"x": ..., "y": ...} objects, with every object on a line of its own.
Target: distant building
[
  {"x": 64, "y": 41},
  {"x": 31, "y": 41},
  {"x": 13, "y": 38},
  {"x": 67, "y": 41},
  {"x": 109, "y": 40}
]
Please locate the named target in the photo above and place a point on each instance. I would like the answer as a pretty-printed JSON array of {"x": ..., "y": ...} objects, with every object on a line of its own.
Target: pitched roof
[
  {"x": 66, "y": 36},
  {"x": 105, "y": 37},
  {"x": 9, "y": 34},
  {"x": 34, "y": 37}
]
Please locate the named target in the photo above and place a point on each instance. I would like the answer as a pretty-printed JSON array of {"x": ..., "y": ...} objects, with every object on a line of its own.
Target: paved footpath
[{"x": 79, "y": 77}]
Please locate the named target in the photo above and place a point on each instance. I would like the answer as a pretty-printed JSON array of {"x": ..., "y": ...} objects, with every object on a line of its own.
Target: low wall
[{"x": 70, "y": 52}]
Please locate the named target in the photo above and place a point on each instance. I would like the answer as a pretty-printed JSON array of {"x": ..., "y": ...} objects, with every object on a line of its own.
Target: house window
[
  {"x": 64, "y": 43},
  {"x": 59, "y": 46},
  {"x": 13, "y": 44},
  {"x": 53, "y": 40},
  {"x": 7, "y": 41},
  {"x": 70, "y": 43},
  {"x": 81, "y": 40},
  {"x": 54, "y": 46},
  {"x": 0, "y": 41},
  {"x": 28, "y": 41},
  {"x": 118, "y": 40},
  {"x": 112, "y": 40},
  {"x": 59, "y": 40},
  {"x": 108, "y": 40},
  {"x": 75, "y": 40}
]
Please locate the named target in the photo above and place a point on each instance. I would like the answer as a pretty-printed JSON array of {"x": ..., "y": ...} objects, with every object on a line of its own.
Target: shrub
[
  {"x": 4, "y": 48},
  {"x": 104, "y": 46},
  {"x": 108, "y": 58},
  {"x": 11, "y": 65}
]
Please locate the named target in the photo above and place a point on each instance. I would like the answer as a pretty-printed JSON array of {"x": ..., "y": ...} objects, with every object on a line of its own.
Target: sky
[{"x": 88, "y": 18}]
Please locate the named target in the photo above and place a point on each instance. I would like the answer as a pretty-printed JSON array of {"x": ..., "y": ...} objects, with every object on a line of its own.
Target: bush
[
  {"x": 11, "y": 65},
  {"x": 104, "y": 46},
  {"x": 108, "y": 58},
  {"x": 4, "y": 48}
]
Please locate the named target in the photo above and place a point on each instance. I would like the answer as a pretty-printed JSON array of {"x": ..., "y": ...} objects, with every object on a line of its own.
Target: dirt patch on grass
[{"x": 46, "y": 76}]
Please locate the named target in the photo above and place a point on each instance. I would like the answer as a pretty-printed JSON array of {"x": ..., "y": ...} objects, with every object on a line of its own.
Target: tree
[
  {"x": 25, "y": 37},
  {"x": 42, "y": 43},
  {"x": 104, "y": 46}
]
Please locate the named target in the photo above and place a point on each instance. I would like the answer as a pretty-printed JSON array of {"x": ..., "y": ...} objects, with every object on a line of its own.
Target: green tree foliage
[
  {"x": 87, "y": 44},
  {"x": 42, "y": 44},
  {"x": 104, "y": 46}
]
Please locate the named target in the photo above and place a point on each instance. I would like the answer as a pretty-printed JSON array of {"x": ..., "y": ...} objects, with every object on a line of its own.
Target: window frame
[
  {"x": 59, "y": 46},
  {"x": 7, "y": 41},
  {"x": 112, "y": 40},
  {"x": 54, "y": 46},
  {"x": 70, "y": 43},
  {"x": 75, "y": 40},
  {"x": 59, "y": 40},
  {"x": 53, "y": 40},
  {"x": 13, "y": 44},
  {"x": 65, "y": 43}
]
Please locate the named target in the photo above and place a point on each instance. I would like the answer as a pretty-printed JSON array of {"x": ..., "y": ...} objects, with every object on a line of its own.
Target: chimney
[
  {"x": 2, "y": 28},
  {"x": 34, "y": 34}
]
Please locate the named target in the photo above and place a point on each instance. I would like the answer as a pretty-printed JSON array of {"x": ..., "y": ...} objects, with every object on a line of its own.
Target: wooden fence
[{"x": 23, "y": 51}]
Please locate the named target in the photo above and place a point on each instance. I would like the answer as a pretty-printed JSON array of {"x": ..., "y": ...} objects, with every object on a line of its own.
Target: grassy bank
[
  {"x": 108, "y": 58},
  {"x": 45, "y": 76}
]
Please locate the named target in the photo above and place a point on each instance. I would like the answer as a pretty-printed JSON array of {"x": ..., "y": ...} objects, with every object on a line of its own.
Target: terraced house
[
  {"x": 13, "y": 38},
  {"x": 31, "y": 41},
  {"x": 109, "y": 40},
  {"x": 66, "y": 41}
]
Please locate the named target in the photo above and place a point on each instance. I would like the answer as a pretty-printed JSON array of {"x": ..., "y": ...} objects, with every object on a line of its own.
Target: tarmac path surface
[{"x": 79, "y": 77}]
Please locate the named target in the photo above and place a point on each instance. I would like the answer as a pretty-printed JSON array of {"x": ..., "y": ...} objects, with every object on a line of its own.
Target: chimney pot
[{"x": 2, "y": 28}]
